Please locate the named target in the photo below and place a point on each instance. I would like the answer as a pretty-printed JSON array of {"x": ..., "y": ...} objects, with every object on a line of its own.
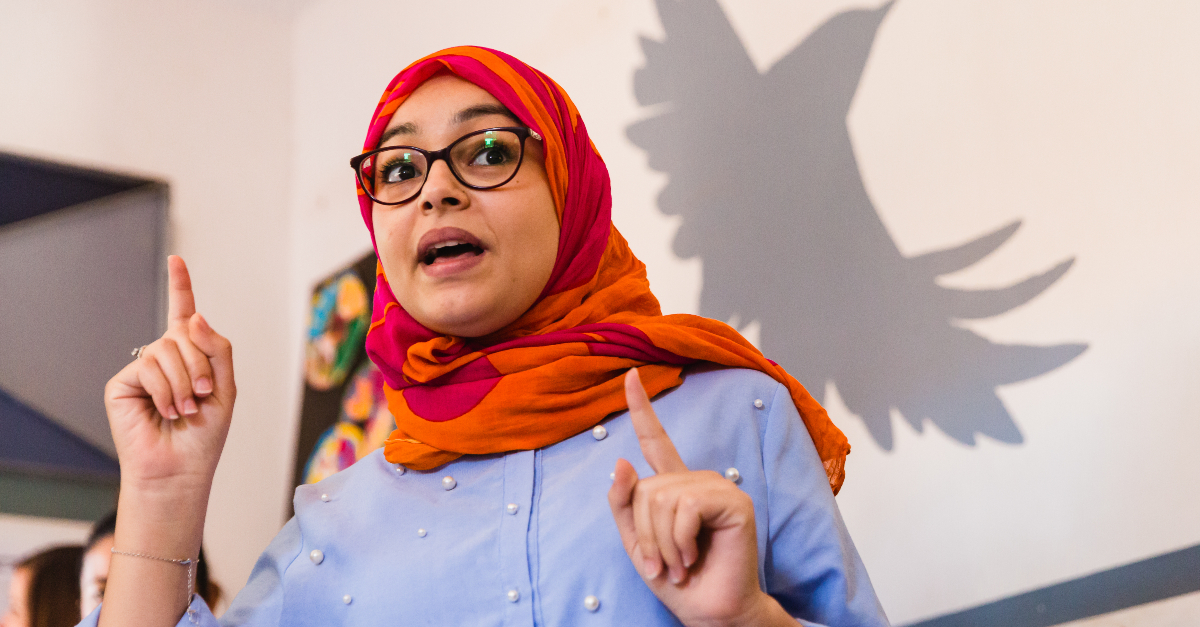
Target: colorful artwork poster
[{"x": 338, "y": 315}]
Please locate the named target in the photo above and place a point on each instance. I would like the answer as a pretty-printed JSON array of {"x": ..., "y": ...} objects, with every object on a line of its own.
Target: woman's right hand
[{"x": 170, "y": 409}]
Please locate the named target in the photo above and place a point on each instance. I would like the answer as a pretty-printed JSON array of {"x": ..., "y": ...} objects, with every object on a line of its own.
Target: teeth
[{"x": 452, "y": 242}]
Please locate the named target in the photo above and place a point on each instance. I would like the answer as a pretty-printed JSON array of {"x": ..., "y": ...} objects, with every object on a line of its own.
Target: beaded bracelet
[{"x": 186, "y": 563}]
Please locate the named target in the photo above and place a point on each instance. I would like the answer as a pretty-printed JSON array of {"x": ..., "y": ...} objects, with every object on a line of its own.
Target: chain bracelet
[{"x": 188, "y": 563}]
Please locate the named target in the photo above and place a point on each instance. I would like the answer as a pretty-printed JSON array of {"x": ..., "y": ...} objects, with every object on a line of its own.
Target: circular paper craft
[
  {"x": 336, "y": 450},
  {"x": 363, "y": 426},
  {"x": 365, "y": 405},
  {"x": 337, "y": 324}
]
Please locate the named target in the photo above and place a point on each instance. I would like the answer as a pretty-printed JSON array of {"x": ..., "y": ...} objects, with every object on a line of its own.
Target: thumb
[
  {"x": 219, "y": 352},
  {"x": 620, "y": 500}
]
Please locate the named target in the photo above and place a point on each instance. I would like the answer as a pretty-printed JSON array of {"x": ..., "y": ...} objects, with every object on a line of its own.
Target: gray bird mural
[{"x": 762, "y": 170}]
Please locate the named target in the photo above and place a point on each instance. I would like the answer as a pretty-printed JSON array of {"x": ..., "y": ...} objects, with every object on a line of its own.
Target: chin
[
  {"x": 468, "y": 311},
  {"x": 461, "y": 322}
]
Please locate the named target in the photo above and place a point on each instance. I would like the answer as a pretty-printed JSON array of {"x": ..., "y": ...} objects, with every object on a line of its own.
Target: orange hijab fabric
[{"x": 557, "y": 370}]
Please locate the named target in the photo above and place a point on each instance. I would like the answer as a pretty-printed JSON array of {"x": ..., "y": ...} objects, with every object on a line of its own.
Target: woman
[
  {"x": 514, "y": 327},
  {"x": 44, "y": 589}
]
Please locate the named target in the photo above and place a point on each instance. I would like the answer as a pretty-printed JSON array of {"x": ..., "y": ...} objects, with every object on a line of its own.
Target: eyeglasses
[{"x": 484, "y": 159}]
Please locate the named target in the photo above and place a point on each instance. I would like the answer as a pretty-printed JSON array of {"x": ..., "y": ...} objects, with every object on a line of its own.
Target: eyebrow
[
  {"x": 479, "y": 111},
  {"x": 466, "y": 115}
]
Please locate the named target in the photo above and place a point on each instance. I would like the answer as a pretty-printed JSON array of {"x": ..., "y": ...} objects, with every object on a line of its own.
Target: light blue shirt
[{"x": 527, "y": 538}]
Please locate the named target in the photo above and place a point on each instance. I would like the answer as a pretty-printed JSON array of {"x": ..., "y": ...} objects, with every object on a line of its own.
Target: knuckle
[
  {"x": 147, "y": 366},
  {"x": 198, "y": 362}
]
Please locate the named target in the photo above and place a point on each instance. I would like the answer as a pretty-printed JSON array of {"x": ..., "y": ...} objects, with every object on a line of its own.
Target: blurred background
[{"x": 966, "y": 227}]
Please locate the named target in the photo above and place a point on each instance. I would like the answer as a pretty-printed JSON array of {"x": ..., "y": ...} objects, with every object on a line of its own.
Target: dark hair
[
  {"x": 205, "y": 587},
  {"x": 53, "y": 595},
  {"x": 102, "y": 528}
]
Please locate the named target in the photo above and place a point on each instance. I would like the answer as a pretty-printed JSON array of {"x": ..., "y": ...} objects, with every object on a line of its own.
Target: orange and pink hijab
[{"x": 557, "y": 370}]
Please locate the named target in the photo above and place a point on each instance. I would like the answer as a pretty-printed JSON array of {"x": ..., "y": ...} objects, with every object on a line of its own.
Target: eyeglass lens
[{"x": 481, "y": 160}]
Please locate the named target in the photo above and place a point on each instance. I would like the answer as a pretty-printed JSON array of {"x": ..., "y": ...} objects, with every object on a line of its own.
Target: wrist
[
  {"x": 765, "y": 611},
  {"x": 174, "y": 491},
  {"x": 166, "y": 523}
]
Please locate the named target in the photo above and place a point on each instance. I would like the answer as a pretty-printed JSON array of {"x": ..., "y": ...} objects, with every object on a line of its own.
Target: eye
[
  {"x": 492, "y": 154},
  {"x": 399, "y": 169}
]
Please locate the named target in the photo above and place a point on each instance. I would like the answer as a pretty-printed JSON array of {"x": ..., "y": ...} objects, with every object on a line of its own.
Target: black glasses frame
[{"x": 431, "y": 156}]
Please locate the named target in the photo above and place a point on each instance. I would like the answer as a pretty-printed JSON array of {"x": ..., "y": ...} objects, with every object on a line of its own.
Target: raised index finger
[
  {"x": 657, "y": 447},
  {"x": 180, "y": 302}
]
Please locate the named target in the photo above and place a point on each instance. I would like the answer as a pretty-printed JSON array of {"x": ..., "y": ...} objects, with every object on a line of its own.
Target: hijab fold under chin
[{"x": 558, "y": 370}]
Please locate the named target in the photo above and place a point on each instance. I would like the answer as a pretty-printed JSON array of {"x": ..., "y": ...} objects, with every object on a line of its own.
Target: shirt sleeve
[
  {"x": 260, "y": 603},
  {"x": 198, "y": 611},
  {"x": 812, "y": 567}
]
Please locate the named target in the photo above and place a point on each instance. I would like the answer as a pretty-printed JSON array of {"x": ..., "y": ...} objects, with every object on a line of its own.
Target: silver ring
[{"x": 137, "y": 352}]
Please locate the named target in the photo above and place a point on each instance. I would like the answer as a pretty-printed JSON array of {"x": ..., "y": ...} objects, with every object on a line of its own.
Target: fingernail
[
  {"x": 189, "y": 407},
  {"x": 172, "y": 413},
  {"x": 203, "y": 385},
  {"x": 203, "y": 323},
  {"x": 650, "y": 567},
  {"x": 675, "y": 579}
]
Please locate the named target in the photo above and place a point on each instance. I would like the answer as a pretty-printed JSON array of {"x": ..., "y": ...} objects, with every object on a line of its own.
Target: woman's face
[
  {"x": 93, "y": 577},
  {"x": 18, "y": 596},
  {"x": 512, "y": 230}
]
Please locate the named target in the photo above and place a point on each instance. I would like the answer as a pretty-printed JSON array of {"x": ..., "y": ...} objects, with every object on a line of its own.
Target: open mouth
[
  {"x": 446, "y": 244},
  {"x": 449, "y": 250}
]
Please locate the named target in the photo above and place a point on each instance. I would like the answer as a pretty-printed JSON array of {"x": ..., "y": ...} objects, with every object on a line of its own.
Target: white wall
[
  {"x": 1080, "y": 118},
  {"x": 1076, "y": 117},
  {"x": 196, "y": 94}
]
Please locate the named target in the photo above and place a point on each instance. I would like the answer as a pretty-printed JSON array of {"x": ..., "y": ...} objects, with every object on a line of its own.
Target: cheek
[
  {"x": 391, "y": 237},
  {"x": 537, "y": 232},
  {"x": 549, "y": 231}
]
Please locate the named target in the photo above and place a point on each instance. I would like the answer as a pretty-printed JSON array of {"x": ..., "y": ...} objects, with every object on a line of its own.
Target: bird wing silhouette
[{"x": 762, "y": 169}]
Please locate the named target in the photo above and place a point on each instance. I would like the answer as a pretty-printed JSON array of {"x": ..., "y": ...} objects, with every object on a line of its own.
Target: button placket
[{"x": 515, "y": 506}]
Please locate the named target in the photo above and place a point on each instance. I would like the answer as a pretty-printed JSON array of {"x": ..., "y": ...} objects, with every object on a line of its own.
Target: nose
[{"x": 442, "y": 191}]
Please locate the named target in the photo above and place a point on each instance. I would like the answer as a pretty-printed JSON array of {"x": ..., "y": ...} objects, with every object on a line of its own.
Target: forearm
[{"x": 164, "y": 523}]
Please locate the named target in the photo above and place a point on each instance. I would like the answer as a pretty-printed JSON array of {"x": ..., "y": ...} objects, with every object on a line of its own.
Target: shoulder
[
  {"x": 708, "y": 380},
  {"x": 719, "y": 414},
  {"x": 725, "y": 394},
  {"x": 367, "y": 476}
]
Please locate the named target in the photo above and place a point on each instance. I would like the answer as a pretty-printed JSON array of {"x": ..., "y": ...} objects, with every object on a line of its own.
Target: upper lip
[{"x": 445, "y": 236}]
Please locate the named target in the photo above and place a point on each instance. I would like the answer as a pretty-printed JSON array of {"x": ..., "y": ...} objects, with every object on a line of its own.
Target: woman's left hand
[{"x": 690, "y": 534}]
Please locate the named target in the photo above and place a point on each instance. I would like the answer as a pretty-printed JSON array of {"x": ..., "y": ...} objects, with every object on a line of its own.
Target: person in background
[
  {"x": 44, "y": 591},
  {"x": 97, "y": 554}
]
